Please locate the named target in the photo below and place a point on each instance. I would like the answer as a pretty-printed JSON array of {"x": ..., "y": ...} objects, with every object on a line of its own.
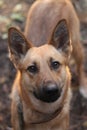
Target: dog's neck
[{"x": 42, "y": 118}]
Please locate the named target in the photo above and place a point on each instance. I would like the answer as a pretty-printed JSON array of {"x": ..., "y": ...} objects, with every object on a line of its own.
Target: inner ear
[
  {"x": 60, "y": 38},
  {"x": 18, "y": 45},
  {"x": 61, "y": 34},
  {"x": 17, "y": 42}
]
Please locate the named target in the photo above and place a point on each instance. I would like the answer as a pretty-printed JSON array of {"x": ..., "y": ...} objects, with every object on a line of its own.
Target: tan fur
[
  {"x": 29, "y": 113},
  {"x": 42, "y": 18}
]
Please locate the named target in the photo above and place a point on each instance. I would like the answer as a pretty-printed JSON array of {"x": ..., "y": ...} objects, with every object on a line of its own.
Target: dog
[{"x": 41, "y": 91}]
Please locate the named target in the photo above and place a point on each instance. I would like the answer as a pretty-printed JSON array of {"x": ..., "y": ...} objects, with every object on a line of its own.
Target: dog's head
[{"x": 44, "y": 72}]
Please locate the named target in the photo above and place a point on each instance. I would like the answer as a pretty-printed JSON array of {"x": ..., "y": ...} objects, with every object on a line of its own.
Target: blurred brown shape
[{"x": 81, "y": 9}]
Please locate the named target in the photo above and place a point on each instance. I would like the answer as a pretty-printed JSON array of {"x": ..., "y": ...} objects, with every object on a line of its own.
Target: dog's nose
[
  {"x": 49, "y": 93},
  {"x": 50, "y": 90}
]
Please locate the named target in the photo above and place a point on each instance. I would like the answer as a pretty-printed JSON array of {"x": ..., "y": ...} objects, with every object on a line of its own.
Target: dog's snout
[
  {"x": 50, "y": 89},
  {"x": 50, "y": 92}
]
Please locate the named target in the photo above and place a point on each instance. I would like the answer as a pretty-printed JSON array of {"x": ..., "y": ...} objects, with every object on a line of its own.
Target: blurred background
[{"x": 14, "y": 13}]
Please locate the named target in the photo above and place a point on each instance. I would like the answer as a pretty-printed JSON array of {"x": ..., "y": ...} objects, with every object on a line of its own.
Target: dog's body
[{"x": 41, "y": 91}]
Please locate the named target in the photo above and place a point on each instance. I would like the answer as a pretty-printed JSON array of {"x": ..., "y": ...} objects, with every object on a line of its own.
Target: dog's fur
[
  {"x": 29, "y": 112},
  {"x": 52, "y": 26},
  {"x": 42, "y": 18}
]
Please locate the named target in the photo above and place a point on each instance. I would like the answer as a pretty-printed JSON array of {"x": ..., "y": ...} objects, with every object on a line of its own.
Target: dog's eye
[
  {"x": 32, "y": 69},
  {"x": 55, "y": 65}
]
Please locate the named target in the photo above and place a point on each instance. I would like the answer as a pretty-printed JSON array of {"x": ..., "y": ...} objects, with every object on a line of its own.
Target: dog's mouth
[
  {"x": 52, "y": 103},
  {"x": 48, "y": 96},
  {"x": 46, "y": 117}
]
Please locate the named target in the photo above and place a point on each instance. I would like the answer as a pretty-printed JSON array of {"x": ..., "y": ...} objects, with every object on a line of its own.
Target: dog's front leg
[{"x": 17, "y": 116}]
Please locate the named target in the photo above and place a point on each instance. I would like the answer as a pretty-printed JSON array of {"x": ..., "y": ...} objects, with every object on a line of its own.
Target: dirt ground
[{"x": 8, "y": 17}]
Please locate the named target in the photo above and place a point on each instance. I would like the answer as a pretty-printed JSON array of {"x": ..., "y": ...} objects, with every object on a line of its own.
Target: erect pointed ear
[
  {"x": 60, "y": 38},
  {"x": 17, "y": 44}
]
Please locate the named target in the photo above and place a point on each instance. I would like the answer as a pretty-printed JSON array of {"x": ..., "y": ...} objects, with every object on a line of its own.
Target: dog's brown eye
[
  {"x": 32, "y": 69},
  {"x": 55, "y": 65}
]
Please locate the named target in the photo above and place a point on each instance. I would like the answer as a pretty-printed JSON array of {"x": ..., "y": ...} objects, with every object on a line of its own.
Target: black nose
[{"x": 48, "y": 93}]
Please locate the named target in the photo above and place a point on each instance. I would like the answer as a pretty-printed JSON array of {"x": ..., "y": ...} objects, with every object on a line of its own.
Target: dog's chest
[{"x": 30, "y": 117}]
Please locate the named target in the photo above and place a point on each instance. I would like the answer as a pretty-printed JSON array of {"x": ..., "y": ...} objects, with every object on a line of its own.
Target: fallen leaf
[
  {"x": 17, "y": 8},
  {"x": 3, "y": 80},
  {"x": 1, "y": 3},
  {"x": 17, "y": 16},
  {"x": 85, "y": 124}
]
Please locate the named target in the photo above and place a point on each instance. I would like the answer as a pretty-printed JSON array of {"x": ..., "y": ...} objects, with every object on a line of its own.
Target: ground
[{"x": 14, "y": 14}]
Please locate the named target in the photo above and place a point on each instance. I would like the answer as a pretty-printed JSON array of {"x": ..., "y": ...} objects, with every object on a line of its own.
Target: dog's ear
[
  {"x": 17, "y": 44},
  {"x": 60, "y": 38}
]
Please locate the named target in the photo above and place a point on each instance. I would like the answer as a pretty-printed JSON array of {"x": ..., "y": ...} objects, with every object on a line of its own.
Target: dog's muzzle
[{"x": 49, "y": 93}]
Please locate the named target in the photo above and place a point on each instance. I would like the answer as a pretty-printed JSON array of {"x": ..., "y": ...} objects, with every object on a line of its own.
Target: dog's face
[{"x": 43, "y": 69}]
